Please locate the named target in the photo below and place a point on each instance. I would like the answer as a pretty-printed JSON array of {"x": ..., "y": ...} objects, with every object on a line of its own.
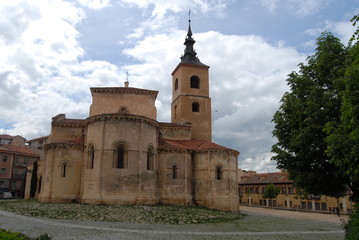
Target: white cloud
[
  {"x": 42, "y": 72},
  {"x": 303, "y": 8},
  {"x": 95, "y": 4},
  {"x": 247, "y": 77},
  {"x": 342, "y": 30},
  {"x": 300, "y": 8},
  {"x": 164, "y": 14},
  {"x": 271, "y": 5}
]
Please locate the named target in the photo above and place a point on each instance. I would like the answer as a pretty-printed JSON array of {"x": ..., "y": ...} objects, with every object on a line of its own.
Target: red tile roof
[
  {"x": 265, "y": 178},
  {"x": 5, "y": 136},
  {"x": 198, "y": 145},
  {"x": 18, "y": 150},
  {"x": 123, "y": 90},
  {"x": 37, "y": 139}
]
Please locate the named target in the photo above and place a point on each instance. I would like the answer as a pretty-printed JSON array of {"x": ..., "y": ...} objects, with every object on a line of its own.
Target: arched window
[
  {"x": 91, "y": 157},
  {"x": 175, "y": 113},
  {"x": 150, "y": 155},
  {"x": 219, "y": 173},
  {"x": 194, "y": 82},
  {"x": 120, "y": 157},
  {"x": 195, "y": 107},
  {"x": 174, "y": 172},
  {"x": 63, "y": 170},
  {"x": 176, "y": 83}
]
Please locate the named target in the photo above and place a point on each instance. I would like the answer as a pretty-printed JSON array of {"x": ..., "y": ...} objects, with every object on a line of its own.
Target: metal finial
[
  {"x": 126, "y": 83},
  {"x": 189, "y": 15}
]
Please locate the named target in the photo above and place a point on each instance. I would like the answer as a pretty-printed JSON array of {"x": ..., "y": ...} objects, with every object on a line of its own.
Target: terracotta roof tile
[
  {"x": 123, "y": 90},
  {"x": 5, "y": 136},
  {"x": 265, "y": 178},
  {"x": 167, "y": 144},
  {"x": 37, "y": 139},
  {"x": 18, "y": 150}
]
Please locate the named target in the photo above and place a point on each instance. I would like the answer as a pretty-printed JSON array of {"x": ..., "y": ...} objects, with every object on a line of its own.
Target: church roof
[
  {"x": 37, "y": 139},
  {"x": 193, "y": 144},
  {"x": 117, "y": 90},
  {"x": 190, "y": 55},
  {"x": 17, "y": 150},
  {"x": 5, "y": 136},
  {"x": 265, "y": 178}
]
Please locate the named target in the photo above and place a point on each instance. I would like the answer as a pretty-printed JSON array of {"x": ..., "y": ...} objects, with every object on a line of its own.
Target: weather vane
[{"x": 189, "y": 15}]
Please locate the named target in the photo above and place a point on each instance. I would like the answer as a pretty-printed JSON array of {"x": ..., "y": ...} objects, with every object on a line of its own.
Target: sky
[{"x": 53, "y": 51}]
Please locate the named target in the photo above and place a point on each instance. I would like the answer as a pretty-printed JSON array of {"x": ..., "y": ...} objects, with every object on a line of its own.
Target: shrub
[{"x": 352, "y": 226}]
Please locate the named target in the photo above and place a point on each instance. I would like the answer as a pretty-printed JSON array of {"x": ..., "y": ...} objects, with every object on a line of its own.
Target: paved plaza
[{"x": 257, "y": 224}]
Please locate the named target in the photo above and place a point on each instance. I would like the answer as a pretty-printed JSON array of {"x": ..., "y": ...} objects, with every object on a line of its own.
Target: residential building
[
  {"x": 37, "y": 145},
  {"x": 252, "y": 186},
  {"x": 12, "y": 140},
  {"x": 14, "y": 161}
]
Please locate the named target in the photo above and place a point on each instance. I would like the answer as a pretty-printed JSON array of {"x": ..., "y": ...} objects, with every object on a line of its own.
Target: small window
[
  {"x": 195, "y": 107},
  {"x": 150, "y": 159},
  {"x": 4, "y": 158},
  {"x": 174, "y": 172},
  {"x": 91, "y": 158},
  {"x": 176, "y": 84},
  {"x": 194, "y": 82},
  {"x": 63, "y": 170},
  {"x": 219, "y": 174},
  {"x": 3, "y": 170},
  {"x": 120, "y": 157}
]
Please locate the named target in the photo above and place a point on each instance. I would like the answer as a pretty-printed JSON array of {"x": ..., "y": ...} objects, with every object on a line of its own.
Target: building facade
[
  {"x": 14, "y": 161},
  {"x": 37, "y": 145},
  {"x": 252, "y": 186},
  {"x": 121, "y": 154},
  {"x": 12, "y": 140}
]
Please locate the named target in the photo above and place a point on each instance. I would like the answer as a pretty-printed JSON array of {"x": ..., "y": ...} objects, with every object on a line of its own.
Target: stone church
[{"x": 121, "y": 154}]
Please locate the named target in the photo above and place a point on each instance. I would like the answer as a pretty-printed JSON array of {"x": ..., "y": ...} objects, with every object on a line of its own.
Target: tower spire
[{"x": 190, "y": 55}]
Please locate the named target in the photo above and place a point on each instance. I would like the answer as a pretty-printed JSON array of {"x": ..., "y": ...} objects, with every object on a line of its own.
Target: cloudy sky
[{"x": 53, "y": 51}]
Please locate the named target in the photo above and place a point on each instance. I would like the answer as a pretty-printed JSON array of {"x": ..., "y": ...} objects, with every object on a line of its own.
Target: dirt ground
[{"x": 296, "y": 214}]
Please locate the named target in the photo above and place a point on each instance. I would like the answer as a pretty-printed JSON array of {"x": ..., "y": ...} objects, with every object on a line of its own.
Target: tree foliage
[
  {"x": 271, "y": 191},
  {"x": 313, "y": 101},
  {"x": 343, "y": 139}
]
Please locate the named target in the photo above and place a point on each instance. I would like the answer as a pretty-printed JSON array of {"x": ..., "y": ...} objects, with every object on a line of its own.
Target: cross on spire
[{"x": 126, "y": 83}]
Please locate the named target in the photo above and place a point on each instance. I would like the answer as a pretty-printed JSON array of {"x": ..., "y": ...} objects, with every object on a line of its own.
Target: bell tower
[{"x": 190, "y": 92}]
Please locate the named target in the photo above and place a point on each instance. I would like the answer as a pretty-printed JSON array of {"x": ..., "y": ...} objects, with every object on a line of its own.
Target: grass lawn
[{"x": 159, "y": 214}]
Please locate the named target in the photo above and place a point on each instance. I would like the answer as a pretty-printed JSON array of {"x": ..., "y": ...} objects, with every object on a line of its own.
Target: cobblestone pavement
[
  {"x": 296, "y": 214},
  {"x": 253, "y": 226}
]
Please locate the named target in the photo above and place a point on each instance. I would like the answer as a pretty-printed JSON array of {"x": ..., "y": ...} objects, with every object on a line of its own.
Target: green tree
[
  {"x": 271, "y": 192},
  {"x": 313, "y": 101},
  {"x": 33, "y": 182},
  {"x": 343, "y": 139}
]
